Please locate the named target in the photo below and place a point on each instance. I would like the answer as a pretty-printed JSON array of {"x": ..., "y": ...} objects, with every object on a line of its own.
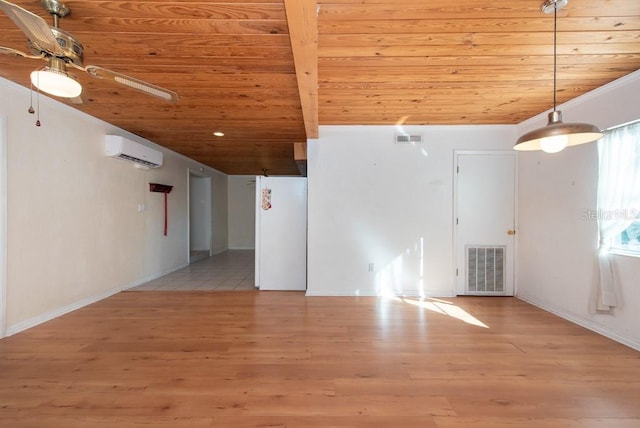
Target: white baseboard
[
  {"x": 202, "y": 256},
  {"x": 400, "y": 295},
  {"x": 48, "y": 316},
  {"x": 219, "y": 250},
  {"x": 588, "y": 324},
  {"x": 152, "y": 277}
]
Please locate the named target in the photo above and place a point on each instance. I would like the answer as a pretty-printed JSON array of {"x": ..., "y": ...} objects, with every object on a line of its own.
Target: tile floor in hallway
[{"x": 231, "y": 270}]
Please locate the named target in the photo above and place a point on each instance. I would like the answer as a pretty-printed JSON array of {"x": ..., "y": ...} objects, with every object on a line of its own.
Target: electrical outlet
[{"x": 372, "y": 267}]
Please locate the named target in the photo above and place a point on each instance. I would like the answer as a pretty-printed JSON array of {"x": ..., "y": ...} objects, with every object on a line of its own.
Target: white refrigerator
[{"x": 281, "y": 233}]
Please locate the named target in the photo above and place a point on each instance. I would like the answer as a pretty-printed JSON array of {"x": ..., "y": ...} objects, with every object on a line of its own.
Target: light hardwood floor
[{"x": 279, "y": 359}]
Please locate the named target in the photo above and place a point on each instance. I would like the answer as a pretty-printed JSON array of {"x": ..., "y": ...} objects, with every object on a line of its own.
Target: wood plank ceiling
[{"x": 267, "y": 72}]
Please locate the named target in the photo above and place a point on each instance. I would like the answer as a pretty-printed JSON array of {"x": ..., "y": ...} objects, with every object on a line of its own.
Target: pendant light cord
[{"x": 555, "y": 51}]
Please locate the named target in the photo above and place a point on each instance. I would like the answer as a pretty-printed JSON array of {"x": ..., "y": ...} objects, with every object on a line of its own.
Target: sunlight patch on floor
[{"x": 444, "y": 308}]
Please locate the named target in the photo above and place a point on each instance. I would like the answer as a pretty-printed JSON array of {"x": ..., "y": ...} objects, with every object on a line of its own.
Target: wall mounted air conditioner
[{"x": 122, "y": 148}]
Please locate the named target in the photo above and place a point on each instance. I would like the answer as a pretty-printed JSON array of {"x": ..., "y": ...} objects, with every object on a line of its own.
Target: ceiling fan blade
[
  {"x": 79, "y": 100},
  {"x": 34, "y": 27},
  {"x": 14, "y": 52},
  {"x": 132, "y": 82}
]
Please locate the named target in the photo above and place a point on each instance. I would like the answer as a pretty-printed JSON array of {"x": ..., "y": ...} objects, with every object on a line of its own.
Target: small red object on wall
[{"x": 162, "y": 188}]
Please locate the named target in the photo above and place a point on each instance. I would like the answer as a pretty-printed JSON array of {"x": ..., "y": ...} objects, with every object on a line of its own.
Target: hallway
[{"x": 230, "y": 270}]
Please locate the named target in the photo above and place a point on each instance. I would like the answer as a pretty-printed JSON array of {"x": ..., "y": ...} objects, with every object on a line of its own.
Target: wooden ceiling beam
[{"x": 302, "y": 20}]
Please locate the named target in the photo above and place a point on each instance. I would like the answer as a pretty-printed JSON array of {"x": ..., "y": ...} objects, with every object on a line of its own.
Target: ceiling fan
[{"x": 60, "y": 49}]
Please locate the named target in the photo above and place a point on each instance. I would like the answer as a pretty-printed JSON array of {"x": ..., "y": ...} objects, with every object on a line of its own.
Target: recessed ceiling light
[{"x": 218, "y": 134}]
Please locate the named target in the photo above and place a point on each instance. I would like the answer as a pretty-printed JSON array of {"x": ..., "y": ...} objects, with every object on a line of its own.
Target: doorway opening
[{"x": 200, "y": 218}]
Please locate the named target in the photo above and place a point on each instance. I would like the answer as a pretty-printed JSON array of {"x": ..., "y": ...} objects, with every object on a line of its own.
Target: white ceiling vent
[{"x": 408, "y": 139}]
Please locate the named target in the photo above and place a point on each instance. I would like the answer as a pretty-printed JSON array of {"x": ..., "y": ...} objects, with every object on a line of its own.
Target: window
[
  {"x": 629, "y": 239},
  {"x": 619, "y": 190}
]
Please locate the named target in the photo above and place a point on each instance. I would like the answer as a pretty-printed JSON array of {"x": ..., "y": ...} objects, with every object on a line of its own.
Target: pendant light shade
[
  {"x": 557, "y": 135},
  {"x": 54, "y": 79}
]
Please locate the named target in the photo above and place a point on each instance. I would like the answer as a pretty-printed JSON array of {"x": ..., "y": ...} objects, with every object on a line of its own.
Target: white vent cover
[
  {"x": 485, "y": 270},
  {"x": 139, "y": 154},
  {"x": 408, "y": 139}
]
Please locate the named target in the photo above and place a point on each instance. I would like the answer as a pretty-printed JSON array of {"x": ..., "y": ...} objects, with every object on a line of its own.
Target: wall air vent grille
[
  {"x": 486, "y": 270},
  {"x": 137, "y": 160},
  {"x": 408, "y": 139}
]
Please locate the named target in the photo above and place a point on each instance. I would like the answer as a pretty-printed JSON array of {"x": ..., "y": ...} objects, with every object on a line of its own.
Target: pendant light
[{"x": 557, "y": 135}]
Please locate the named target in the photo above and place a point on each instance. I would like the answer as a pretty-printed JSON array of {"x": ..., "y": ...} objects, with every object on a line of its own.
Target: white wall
[
  {"x": 199, "y": 213},
  {"x": 75, "y": 233},
  {"x": 556, "y": 243},
  {"x": 220, "y": 215},
  {"x": 242, "y": 212},
  {"x": 372, "y": 201}
]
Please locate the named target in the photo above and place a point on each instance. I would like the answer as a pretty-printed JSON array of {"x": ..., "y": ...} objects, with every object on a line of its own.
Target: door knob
[{"x": 511, "y": 232}]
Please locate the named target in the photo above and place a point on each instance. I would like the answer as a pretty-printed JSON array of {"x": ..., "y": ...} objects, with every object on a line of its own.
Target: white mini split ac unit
[{"x": 122, "y": 148}]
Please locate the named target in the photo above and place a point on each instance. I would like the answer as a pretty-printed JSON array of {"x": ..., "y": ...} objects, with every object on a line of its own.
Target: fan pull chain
[
  {"x": 31, "y": 110},
  {"x": 38, "y": 102},
  {"x": 38, "y": 109}
]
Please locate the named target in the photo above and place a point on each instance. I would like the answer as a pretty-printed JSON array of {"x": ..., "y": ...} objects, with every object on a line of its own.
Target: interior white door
[{"x": 485, "y": 223}]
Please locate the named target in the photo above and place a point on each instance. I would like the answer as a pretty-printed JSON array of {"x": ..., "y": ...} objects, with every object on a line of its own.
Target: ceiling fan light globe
[{"x": 56, "y": 83}]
